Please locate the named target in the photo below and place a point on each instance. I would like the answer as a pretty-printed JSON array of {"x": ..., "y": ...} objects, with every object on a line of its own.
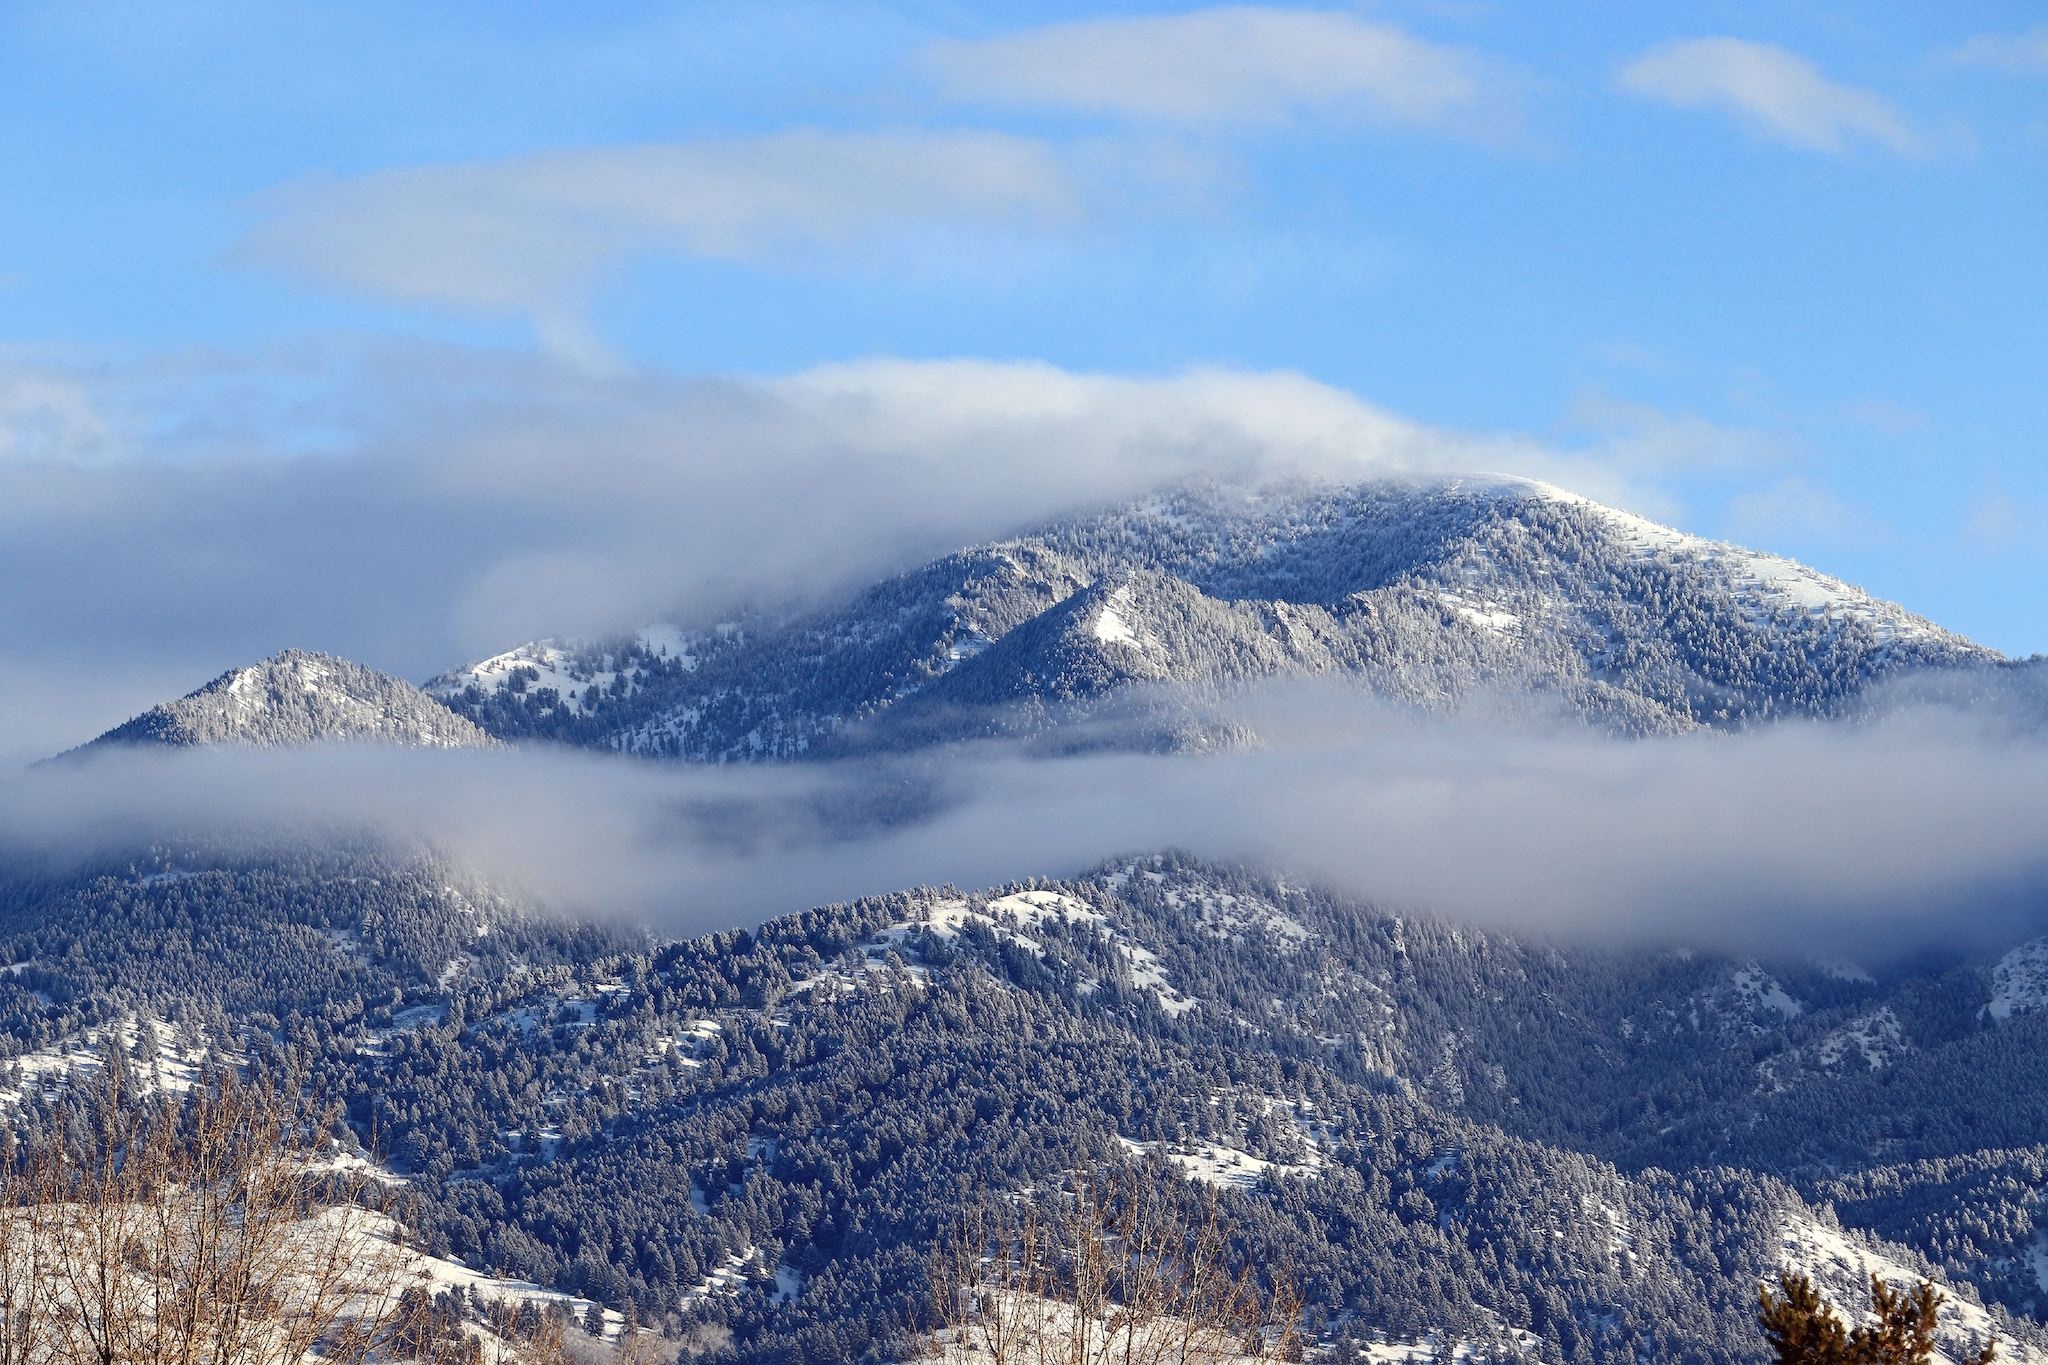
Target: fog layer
[{"x": 1924, "y": 828}]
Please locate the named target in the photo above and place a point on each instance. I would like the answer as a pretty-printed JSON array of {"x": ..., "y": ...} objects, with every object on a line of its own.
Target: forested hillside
[{"x": 1552, "y": 1152}]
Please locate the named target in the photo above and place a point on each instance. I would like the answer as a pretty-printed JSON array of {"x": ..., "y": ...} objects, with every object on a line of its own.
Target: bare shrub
[{"x": 1125, "y": 1266}]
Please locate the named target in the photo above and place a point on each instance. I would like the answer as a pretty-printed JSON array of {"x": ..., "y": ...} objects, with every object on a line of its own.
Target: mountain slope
[
  {"x": 299, "y": 697},
  {"x": 1426, "y": 592},
  {"x": 763, "y": 1131}
]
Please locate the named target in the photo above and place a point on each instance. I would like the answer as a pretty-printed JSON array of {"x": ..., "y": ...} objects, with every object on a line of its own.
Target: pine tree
[{"x": 1804, "y": 1329}]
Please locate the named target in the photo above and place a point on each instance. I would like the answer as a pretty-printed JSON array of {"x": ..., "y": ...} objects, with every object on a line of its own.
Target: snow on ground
[
  {"x": 1868, "y": 1042},
  {"x": 1875, "y": 1036},
  {"x": 1841, "y": 1267},
  {"x": 384, "y": 1264},
  {"x": 1012, "y": 915},
  {"x": 1111, "y": 626},
  {"x": 1051, "y": 1329},
  {"x": 1487, "y": 615},
  {"x": 684, "y": 1046},
  {"x": 1621, "y": 1235},
  {"x": 51, "y": 1068},
  {"x": 1774, "y": 583},
  {"x": 1233, "y": 917},
  {"x": 741, "y": 1269},
  {"x": 1841, "y": 969},
  {"x": 571, "y": 667},
  {"x": 1213, "y": 1163},
  {"x": 570, "y": 1010},
  {"x": 1761, "y": 993},
  {"x": 1006, "y": 916},
  {"x": 438, "y": 1275},
  {"x": 2019, "y": 982},
  {"x": 1148, "y": 975},
  {"x": 15, "y": 969}
]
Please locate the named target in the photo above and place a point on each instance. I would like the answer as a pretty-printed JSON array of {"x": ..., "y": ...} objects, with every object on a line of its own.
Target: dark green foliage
[{"x": 818, "y": 1097}]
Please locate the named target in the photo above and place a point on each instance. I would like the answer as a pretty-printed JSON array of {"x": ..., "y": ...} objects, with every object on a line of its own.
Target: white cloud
[
  {"x": 1797, "y": 507},
  {"x": 1649, "y": 440},
  {"x": 1234, "y": 65},
  {"x": 46, "y": 414},
  {"x": 1778, "y": 94},
  {"x": 529, "y": 235},
  {"x": 1998, "y": 523},
  {"x": 2024, "y": 54}
]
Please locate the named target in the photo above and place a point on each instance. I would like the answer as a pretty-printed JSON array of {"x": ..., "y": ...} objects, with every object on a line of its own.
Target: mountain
[
  {"x": 1544, "y": 1151},
  {"x": 1427, "y": 592},
  {"x": 299, "y": 697},
  {"x": 1472, "y": 1144}
]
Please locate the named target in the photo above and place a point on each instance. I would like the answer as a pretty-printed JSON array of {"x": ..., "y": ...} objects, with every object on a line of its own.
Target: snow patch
[
  {"x": 1761, "y": 992},
  {"x": 1011, "y": 915},
  {"x": 1235, "y": 918},
  {"x": 1110, "y": 625},
  {"x": 2019, "y": 982},
  {"x": 577, "y": 670},
  {"x": 1842, "y": 1267},
  {"x": 1875, "y": 1036},
  {"x": 48, "y": 1070}
]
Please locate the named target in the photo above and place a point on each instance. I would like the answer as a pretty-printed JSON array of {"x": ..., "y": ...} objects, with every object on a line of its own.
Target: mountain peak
[
  {"x": 298, "y": 697},
  {"x": 1427, "y": 590}
]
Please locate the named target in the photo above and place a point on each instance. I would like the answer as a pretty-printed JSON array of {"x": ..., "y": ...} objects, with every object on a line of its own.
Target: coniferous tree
[{"x": 1803, "y": 1328}]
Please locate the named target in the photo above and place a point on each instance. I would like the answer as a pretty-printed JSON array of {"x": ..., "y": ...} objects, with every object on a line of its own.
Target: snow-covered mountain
[
  {"x": 1506, "y": 1146},
  {"x": 299, "y": 697},
  {"x": 1424, "y": 591}
]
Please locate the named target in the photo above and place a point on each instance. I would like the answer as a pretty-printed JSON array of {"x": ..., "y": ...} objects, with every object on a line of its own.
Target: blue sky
[{"x": 1776, "y": 273}]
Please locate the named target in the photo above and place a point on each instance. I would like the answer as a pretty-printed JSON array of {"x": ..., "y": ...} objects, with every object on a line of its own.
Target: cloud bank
[
  {"x": 1777, "y": 94},
  {"x": 1922, "y": 829}
]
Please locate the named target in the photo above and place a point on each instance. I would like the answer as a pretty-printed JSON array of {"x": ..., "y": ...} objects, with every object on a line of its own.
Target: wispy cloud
[
  {"x": 1999, "y": 522},
  {"x": 1797, "y": 507},
  {"x": 47, "y": 414},
  {"x": 2023, "y": 54},
  {"x": 531, "y": 235},
  {"x": 1776, "y": 93},
  {"x": 1234, "y": 65},
  {"x": 1652, "y": 440}
]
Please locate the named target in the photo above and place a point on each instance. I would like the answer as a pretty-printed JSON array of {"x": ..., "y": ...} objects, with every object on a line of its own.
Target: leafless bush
[
  {"x": 202, "y": 1229},
  {"x": 1125, "y": 1266}
]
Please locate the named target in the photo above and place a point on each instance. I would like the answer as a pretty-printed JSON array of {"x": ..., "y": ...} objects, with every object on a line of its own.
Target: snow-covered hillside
[
  {"x": 2019, "y": 983},
  {"x": 1842, "y": 1265},
  {"x": 1429, "y": 592},
  {"x": 299, "y": 697},
  {"x": 1770, "y": 584},
  {"x": 580, "y": 673}
]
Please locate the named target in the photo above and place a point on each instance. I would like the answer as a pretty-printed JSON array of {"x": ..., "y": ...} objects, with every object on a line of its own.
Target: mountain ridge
[
  {"x": 298, "y": 697},
  {"x": 1425, "y": 591}
]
